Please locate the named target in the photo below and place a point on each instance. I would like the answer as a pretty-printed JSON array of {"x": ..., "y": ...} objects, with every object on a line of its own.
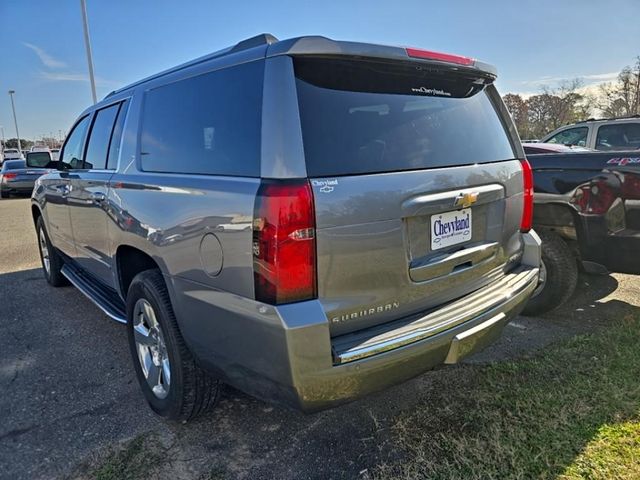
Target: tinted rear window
[
  {"x": 361, "y": 117},
  {"x": 208, "y": 124},
  {"x": 13, "y": 165},
  {"x": 38, "y": 159}
]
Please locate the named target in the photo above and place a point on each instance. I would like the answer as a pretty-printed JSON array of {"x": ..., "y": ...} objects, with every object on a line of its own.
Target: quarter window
[
  {"x": 208, "y": 124},
  {"x": 624, "y": 136},
  {"x": 72, "y": 157}
]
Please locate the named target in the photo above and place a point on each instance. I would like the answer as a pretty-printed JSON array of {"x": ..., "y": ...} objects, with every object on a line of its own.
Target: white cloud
[
  {"x": 75, "y": 77},
  {"x": 549, "y": 81},
  {"x": 46, "y": 59}
]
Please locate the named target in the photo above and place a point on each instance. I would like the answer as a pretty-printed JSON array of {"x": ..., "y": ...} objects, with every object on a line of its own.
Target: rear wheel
[
  {"x": 51, "y": 260},
  {"x": 558, "y": 275},
  {"x": 4, "y": 194},
  {"x": 174, "y": 386}
]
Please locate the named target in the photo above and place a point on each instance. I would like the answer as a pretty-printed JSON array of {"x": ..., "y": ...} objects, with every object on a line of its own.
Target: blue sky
[{"x": 533, "y": 43}]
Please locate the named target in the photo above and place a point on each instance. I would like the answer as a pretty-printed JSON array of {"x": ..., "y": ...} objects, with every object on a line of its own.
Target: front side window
[
  {"x": 624, "y": 136},
  {"x": 208, "y": 124},
  {"x": 571, "y": 136},
  {"x": 72, "y": 152},
  {"x": 100, "y": 136}
]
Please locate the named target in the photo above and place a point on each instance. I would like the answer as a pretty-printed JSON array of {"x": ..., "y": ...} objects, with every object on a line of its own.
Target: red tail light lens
[
  {"x": 595, "y": 197},
  {"x": 9, "y": 176},
  {"x": 284, "y": 245},
  {"x": 631, "y": 186},
  {"x": 441, "y": 57},
  {"x": 527, "y": 209}
]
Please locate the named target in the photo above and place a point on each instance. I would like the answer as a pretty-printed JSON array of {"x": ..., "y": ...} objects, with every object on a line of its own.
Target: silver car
[{"x": 308, "y": 220}]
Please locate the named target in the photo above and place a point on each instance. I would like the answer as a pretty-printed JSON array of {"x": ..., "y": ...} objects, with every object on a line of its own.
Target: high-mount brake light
[
  {"x": 284, "y": 245},
  {"x": 527, "y": 208},
  {"x": 441, "y": 57}
]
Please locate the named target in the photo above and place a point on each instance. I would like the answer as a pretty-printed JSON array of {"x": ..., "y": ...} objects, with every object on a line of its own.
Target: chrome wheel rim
[
  {"x": 44, "y": 251},
  {"x": 151, "y": 348},
  {"x": 542, "y": 279}
]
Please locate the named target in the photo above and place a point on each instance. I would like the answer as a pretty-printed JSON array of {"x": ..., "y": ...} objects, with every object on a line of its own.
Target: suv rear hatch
[{"x": 418, "y": 192}]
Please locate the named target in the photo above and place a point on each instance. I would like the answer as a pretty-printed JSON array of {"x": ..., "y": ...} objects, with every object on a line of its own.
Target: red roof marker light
[{"x": 441, "y": 57}]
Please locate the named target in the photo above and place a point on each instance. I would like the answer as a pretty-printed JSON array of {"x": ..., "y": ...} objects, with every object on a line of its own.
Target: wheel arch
[{"x": 130, "y": 261}]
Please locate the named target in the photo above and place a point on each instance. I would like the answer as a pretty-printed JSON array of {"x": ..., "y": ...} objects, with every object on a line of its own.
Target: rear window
[
  {"x": 370, "y": 117},
  {"x": 13, "y": 165},
  {"x": 38, "y": 159},
  {"x": 208, "y": 124}
]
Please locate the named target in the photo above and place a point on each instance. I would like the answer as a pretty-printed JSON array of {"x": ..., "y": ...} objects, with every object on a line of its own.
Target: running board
[{"x": 105, "y": 298}]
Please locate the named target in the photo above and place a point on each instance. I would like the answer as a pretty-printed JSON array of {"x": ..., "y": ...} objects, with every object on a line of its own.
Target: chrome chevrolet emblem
[{"x": 465, "y": 200}]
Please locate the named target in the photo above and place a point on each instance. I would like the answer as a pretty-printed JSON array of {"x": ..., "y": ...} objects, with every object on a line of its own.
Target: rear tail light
[
  {"x": 595, "y": 198},
  {"x": 527, "y": 209},
  {"x": 9, "y": 176},
  {"x": 631, "y": 186},
  {"x": 284, "y": 245},
  {"x": 441, "y": 57}
]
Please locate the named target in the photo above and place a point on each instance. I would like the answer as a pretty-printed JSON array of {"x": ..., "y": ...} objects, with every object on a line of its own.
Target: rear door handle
[{"x": 98, "y": 197}]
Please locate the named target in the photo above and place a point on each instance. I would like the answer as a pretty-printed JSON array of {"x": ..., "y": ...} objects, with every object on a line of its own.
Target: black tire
[
  {"x": 53, "y": 274},
  {"x": 191, "y": 390},
  {"x": 561, "y": 275},
  {"x": 4, "y": 194}
]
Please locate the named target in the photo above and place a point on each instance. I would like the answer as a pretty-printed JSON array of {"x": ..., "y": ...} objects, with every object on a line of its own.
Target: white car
[
  {"x": 39, "y": 148},
  {"x": 607, "y": 134},
  {"x": 12, "y": 154},
  {"x": 55, "y": 153}
]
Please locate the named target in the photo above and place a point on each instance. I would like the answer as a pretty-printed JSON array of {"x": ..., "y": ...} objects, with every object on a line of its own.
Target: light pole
[
  {"x": 87, "y": 45},
  {"x": 2, "y": 131},
  {"x": 15, "y": 120}
]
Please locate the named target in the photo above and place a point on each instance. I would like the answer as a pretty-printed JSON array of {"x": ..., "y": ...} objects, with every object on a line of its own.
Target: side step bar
[{"x": 105, "y": 298}]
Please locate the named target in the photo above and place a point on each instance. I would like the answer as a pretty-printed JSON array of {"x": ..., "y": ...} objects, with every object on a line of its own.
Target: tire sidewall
[
  {"x": 562, "y": 272},
  {"x": 170, "y": 405},
  {"x": 40, "y": 228}
]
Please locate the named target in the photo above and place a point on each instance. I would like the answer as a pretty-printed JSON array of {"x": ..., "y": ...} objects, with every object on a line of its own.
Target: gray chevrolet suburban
[{"x": 308, "y": 220}]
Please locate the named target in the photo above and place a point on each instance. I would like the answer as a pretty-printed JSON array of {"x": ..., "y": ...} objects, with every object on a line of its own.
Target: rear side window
[
  {"x": 623, "y": 136},
  {"x": 362, "y": 117},
  {"x": 571, "y": 136},
  {"x": 116, "y": 136},
  {"x": 209, "y": 124},
  {"x": 72, "y": 153},
  {"x": 99, "y": 138}
]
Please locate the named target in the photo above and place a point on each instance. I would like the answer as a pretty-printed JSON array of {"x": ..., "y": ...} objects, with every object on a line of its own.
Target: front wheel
[
  {"x": 174, "y": 386},
  {"x": 558, "y": 276}
]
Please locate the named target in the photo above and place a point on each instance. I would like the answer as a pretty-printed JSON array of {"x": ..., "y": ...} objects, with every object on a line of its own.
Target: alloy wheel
[{"x": 151, "y": 348}]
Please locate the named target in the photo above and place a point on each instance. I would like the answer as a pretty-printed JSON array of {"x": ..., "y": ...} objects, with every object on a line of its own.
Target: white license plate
[{"x": 450, "y": 228}]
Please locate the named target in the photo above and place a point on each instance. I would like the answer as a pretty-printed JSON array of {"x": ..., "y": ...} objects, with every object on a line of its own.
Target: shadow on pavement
[{"x": 69, "y": 391}]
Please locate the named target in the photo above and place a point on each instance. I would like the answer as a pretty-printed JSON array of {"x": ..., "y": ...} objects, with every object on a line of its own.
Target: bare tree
[
  {"x": 554, "y": 107},
  {"x": 622, "y": 97}
]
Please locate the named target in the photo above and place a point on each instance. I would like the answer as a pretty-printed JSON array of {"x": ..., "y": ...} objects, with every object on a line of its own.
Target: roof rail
[
  {"x": 256, "y": 41},
  {"x": 624, "y": 117}
]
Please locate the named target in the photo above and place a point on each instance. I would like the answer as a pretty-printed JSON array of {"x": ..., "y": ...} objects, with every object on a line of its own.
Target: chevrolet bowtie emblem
[{"x": 465, "y": 200}]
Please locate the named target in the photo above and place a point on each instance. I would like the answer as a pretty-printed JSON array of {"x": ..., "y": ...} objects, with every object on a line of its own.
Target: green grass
[
  {"x": 571, "y": 412},
  {"x": 135, "y": 460}
]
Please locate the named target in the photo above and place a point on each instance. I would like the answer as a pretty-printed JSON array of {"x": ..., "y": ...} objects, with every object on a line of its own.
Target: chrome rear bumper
[{"x": 374, "y": 341}]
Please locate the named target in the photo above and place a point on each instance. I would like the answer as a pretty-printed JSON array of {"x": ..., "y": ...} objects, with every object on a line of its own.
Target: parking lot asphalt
[{"x": 68, "y": 392}]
